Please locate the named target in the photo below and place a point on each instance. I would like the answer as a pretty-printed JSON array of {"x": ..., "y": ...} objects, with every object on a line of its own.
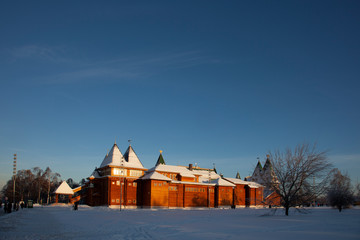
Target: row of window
[
  {"x": 123, "y": 172},
  {"x": 134, "y": 184},
  {"x": 159, "y": 184},
  {"x": 122, "y": 201},
  {"x": 173, "y": 188},
  {"x": 197, "y": 190}
]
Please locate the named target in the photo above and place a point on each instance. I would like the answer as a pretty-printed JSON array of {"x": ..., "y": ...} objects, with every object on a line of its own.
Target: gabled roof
[
  {"x": 115, "y": 158},
  {"x": 155, "y": 176},
  {"x": 64, "y": 188}
]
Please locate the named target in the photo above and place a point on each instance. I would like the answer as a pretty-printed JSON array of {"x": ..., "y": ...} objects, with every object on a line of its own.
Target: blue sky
[{"x": 204, "y": 81}]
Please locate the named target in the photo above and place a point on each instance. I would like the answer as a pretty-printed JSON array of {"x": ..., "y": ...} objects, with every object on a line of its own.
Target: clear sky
[{"x": 207, "y": 82}]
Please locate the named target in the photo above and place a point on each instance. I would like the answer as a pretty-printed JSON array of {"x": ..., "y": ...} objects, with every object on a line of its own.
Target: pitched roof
[
  {"x": 204, "y": 175},
  {"x": 64, "y": 188},
  {"x": 95, "y": 174},
  {"x": 115, "y": 158},
  {"x": 132, "y": 159},
  {"x": 183, "y": 171},
  {"x": 239, "y": 181},
  {"x": 156, "y": 176},
  {"x": 267, "y": 164},
  {"x": 222, "y": 182}
]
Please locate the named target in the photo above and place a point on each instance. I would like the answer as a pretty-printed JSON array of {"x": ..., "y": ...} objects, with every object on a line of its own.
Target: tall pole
[
  {"x": 121, "y": 172},
  {"x": 209, "y": 189},
  {"x": 14, "y": 177}
]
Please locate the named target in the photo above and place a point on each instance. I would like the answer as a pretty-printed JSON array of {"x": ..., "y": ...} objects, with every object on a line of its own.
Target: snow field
[{"x": 61, "y": 222}]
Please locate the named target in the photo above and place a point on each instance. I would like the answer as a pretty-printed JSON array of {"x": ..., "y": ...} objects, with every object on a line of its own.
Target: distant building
[
  {"x": 266, "y": 177},
  {"x": 122, "y": 179}
]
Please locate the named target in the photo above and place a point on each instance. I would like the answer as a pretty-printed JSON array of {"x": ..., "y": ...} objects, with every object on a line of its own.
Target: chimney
[{"x": 190, "y": 167}]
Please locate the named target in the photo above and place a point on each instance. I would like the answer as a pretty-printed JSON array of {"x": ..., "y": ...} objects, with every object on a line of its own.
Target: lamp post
[{"x": 14, "y": 177}]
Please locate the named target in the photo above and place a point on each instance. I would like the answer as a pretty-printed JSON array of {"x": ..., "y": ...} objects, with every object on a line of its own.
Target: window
[
  {"x": 129, "y": 184},
  {"x": 175, "y": 188},
  {"x": 113, "y": 200},
  {"x": 160, "y": 185},
  {"x": 117, "y": 200},
  {"x": 134, "y": 201},
  {"x": 136, "y": 173},
  {"x": 155, "y": 184},
  {"x": 117, "y": 182},
  {"x": 129, "y": 201},
  {"x": 113, "y": 182},
  {"x": 118, "y": 171},
  {"x": 134, "y": 184}
]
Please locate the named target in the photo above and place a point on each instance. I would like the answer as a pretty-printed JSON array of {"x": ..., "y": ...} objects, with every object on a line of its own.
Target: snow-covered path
[{"x": 104, "y": 223}]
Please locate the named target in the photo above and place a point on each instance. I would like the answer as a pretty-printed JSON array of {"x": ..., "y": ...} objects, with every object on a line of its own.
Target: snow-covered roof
[
  {"x": 155, "y": 176},
  {"x": 95, "y": 174},
  {"x": 64, "y": 188},
  {"x": 183, "y": 171},
  {"x": 132, "y": 159},
  {"x": 255, "y": 185},
  {"x": 222, "y": 182},
  {"x": 115, "y": 158},
  {"x": 239, "y": 181},
  {"x": 204, "y": 175}
]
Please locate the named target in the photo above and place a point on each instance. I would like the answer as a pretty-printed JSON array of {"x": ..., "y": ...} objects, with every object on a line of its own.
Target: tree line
[{"x": 32, "y": 184}]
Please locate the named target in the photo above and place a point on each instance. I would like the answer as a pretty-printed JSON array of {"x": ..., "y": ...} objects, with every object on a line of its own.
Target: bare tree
[
  {"x": 32, "y": 184},
  {"x": 340, "y": 194},
  {"x": 301, "y": 174}
]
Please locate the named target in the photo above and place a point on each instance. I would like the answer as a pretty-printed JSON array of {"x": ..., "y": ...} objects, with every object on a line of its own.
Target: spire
[
  {"x": 214, "y": 168},
  {"x": 113, "y": 157},
  {"x": 267, "y": 164},
  {"x": 160, "y": 159},
  {"x": 259, "y": 165},
  {"x": 238, "y": 175},
  {"x": 131, "y": 158}
]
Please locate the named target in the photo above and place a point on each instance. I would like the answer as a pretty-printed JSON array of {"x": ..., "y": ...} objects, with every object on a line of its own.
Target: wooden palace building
[{"x": 122, "y": 179}]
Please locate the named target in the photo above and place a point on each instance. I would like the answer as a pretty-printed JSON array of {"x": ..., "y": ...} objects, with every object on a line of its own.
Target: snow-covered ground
[{"x": 60, "y": 222}]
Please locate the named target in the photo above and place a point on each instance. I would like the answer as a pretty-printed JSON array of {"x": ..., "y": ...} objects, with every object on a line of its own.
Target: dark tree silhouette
[
  {"x": 340, "y": 194},
  {"x": 296, "y": 171}
]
